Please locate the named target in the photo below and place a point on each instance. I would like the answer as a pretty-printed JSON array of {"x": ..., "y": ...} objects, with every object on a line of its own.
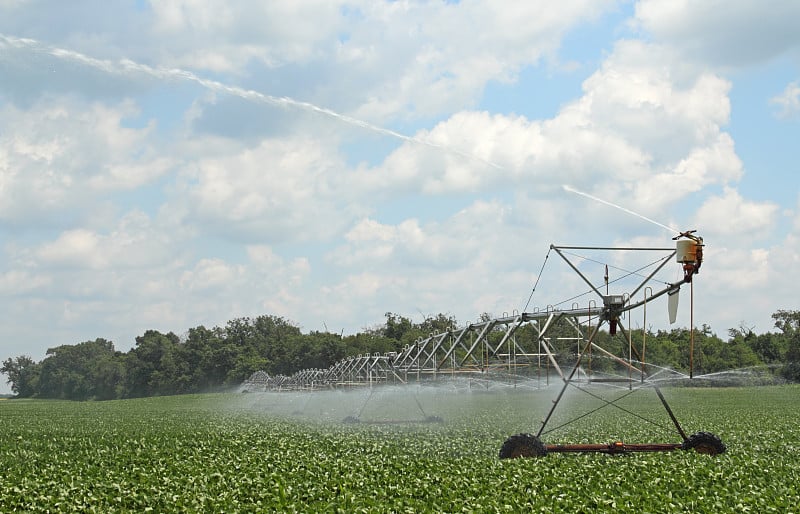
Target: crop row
[{"x": 290, "y": 453}]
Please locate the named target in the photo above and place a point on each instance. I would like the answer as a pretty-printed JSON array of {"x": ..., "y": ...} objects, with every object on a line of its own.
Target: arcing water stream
[
  {"x": 596, "y": 199},
  {"x": 127, "y": 67}
]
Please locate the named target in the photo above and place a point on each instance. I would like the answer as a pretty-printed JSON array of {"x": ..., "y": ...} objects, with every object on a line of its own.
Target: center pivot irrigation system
[
  {"x": 689, "y": 253},
  {"x": 514, "y": 348}
]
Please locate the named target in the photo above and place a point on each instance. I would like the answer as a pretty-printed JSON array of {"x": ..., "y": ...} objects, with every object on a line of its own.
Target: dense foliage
[
  {"x": 210, "y": 359},
  {"x": 248, "y": 453}
]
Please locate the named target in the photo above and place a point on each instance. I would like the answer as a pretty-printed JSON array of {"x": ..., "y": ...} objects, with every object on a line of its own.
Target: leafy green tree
[
  {"x": 370, "y": 342},
  {"x": 438, "y": 324},
  {"x": 83, "y": 371},
  {"x": 250, "y": 342},
  {"x": 315, "y": 350},
  {"x": 23, "y": 375},
  {"x": 791, "y": 371},
  {"x": 399, "y": 332},
  {"x": 789, "y": 324},
  {"x": 324, "y": 350},
  {"x": 396, "y": 326},
  {"x": 196, "y": 357},
  {"x": 769, "y": 348},
  {"x": 152, "y": 366},
  {"x": 670, "y": 349},
  {"x": 718, "y": 355},
  {"x": 787, "y": 321},
  {"x": 107, "y": 376}
]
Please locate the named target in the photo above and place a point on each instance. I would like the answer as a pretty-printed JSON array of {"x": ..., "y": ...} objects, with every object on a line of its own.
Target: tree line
[{"x": 221, "y": 357}]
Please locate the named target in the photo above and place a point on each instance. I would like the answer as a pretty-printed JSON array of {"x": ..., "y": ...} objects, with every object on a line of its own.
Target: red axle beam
[{"x": 613, "y": 448}]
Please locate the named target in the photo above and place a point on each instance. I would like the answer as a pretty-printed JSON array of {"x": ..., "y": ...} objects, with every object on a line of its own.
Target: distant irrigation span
[{"x": 475, "y": 350}]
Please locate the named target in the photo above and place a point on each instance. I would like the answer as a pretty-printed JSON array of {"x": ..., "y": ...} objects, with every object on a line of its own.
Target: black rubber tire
[
  {"x": 434, "y": 419},
  {"x": 522, "y": 445},
  {"x": 705, "y": 443},
  {"x": 351, "y": 420}
]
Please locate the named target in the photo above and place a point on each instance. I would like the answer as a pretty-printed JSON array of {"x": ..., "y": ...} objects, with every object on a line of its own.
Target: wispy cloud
[{"x": 788, "y": 102}]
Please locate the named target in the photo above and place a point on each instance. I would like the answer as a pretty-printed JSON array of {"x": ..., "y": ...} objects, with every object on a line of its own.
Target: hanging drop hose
[
  {"x": 364, "y": 405},
  {"x": 419, "y": 405}
]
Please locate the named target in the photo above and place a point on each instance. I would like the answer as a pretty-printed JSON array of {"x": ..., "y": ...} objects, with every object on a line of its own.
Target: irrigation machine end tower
[{"x": 688, "y": 252}]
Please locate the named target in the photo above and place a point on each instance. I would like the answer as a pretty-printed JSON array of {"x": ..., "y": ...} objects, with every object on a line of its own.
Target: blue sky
[{"x": 170, "y": 164}]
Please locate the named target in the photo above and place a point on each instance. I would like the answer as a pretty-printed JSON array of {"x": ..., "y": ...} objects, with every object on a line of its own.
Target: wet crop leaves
[{"x": 222, "y": 453}]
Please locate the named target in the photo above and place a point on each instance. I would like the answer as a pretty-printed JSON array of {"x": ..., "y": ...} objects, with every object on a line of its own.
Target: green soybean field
[{"x": 292, "y": 452}]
